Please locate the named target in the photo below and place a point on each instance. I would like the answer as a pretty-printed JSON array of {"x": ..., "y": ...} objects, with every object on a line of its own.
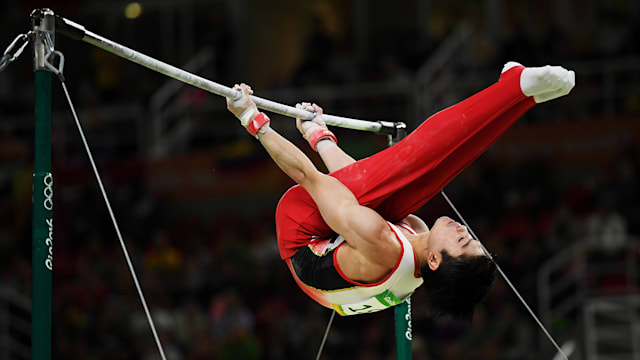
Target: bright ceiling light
[{"x": 133, "y": 10}]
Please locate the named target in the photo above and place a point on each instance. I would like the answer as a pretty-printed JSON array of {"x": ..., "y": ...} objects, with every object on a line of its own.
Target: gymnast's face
[{"x": 448, "y": 235}]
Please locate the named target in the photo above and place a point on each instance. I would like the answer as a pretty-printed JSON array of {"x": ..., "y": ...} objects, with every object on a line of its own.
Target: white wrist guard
[{"x": 248, "y": 115}]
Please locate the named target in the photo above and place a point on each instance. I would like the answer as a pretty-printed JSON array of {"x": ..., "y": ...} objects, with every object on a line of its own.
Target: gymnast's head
[{"x": 457, "y": 273}]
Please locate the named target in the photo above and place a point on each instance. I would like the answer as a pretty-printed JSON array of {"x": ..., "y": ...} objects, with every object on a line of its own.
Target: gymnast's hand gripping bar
[{"x": 78, "y": 32}]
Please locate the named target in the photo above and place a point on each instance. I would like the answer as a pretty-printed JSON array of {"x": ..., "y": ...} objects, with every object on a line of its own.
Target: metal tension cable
[{"x": 504, "y": 276}]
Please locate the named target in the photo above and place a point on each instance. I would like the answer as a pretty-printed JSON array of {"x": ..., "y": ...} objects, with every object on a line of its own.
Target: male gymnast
[{"x": 349, "y": 237}]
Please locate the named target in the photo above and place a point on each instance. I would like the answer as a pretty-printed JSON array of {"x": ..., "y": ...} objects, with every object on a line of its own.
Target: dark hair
[{"x": 458, "y": 285}]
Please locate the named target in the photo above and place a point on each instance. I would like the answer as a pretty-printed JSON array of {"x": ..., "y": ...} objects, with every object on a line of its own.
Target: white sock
[
  {"x": 539, "y": 80},
  {"x": 544, "y": 83}
]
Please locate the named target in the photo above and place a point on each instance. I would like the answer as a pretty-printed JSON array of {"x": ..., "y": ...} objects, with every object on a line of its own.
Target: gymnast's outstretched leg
[
  {"x": 444, "y": 144},
  {"x": 400, "y": 179}
]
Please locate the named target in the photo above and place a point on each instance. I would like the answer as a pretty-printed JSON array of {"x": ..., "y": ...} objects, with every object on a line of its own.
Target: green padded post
[
  {"x": 43, "y": 24},
  {"x": 42, "y": 221}
]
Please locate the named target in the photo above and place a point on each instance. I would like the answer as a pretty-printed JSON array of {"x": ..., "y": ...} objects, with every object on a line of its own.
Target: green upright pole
[
  {"x": 404, "y": 335},
  {"x": 42, "y": 242},
  {"x": 42, "y": 221}
]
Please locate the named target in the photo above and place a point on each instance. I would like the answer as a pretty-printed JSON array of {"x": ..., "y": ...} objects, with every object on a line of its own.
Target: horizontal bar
[{"x": 78, "y": 32}]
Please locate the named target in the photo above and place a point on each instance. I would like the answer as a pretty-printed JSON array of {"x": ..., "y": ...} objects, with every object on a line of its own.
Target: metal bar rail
[{"x": 78, "y": 32}]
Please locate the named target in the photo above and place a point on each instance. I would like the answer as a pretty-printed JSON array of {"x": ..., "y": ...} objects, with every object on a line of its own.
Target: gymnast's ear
[{"x": 433, "y": 260}]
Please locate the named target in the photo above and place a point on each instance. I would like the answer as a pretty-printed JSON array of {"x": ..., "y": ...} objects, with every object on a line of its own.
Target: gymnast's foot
[{"x": 544, "y": 83}]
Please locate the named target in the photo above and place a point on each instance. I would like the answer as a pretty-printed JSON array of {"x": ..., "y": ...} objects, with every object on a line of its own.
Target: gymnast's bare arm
[
  {"x": 370, "y": 243},
  {"x": 332, "y": 155},
  {"x": 371, "y": 250}
]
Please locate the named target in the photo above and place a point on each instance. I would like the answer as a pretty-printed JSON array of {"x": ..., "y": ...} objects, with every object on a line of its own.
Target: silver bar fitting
[{"x": 43, "y": 23}]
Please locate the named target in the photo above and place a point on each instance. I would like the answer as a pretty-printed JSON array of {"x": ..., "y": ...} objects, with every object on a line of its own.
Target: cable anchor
[
  {"x": 9, "y": 54},
  {"x": 50, "y": 55},
  {"x": 51, "y": 64}
]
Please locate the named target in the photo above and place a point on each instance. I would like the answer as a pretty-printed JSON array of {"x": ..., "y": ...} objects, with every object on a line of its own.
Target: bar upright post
[{"x": 42, "y": 236}]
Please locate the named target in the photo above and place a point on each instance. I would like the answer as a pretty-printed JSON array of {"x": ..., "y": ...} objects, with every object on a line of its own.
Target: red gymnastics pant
[{"x": 400, "y": 179}]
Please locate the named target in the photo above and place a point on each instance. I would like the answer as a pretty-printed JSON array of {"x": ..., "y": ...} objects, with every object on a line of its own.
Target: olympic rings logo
[
  {"x": 48, "y": 192},
  {"x": 48, "y": 205}
]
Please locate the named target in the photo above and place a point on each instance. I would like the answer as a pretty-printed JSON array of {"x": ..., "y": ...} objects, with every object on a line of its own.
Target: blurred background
[{"x": 556, "y": 199}]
